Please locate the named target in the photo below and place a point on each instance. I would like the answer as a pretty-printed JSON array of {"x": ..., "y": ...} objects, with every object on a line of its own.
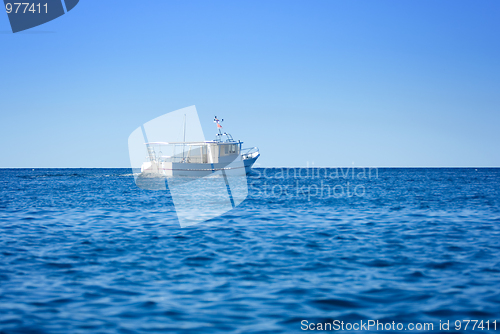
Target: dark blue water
[{"x": 86, "y": 251}]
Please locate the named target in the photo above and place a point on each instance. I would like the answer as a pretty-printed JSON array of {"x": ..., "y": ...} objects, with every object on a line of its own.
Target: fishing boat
[{"x": 199, "y": 159}]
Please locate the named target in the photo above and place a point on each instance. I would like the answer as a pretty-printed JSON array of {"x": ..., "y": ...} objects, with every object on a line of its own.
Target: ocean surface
[{"x": 87, "y": 251}]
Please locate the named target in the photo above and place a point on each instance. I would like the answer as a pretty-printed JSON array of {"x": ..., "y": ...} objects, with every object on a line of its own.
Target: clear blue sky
[{"x": 374, "y": 83}]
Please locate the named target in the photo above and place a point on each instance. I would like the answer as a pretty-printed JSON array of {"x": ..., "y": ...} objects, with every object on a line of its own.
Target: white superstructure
[{"x": 198, "y": 158}]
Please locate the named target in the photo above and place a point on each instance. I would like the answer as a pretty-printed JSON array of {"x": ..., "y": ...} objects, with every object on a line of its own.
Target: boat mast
[{"x": 184, "y": 141}]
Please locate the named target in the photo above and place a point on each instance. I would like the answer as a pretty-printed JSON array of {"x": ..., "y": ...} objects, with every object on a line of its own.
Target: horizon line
[{"x": 268, "y": 167}]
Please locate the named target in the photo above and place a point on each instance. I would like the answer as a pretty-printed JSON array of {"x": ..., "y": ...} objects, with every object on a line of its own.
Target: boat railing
[
  {"x": 185, "y": 159},
  {"x": 193, "y": 152},
  {"x": 248, "y": 153}
]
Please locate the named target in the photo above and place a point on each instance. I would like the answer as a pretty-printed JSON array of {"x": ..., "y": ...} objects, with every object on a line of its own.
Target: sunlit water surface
[{"x": 86, "y": 251}]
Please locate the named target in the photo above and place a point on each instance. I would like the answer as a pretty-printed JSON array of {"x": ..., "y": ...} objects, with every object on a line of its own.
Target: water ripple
[{"x": 86, "y": 251}]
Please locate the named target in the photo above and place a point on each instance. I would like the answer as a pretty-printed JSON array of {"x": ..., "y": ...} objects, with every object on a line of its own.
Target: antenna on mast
[{"x": 219, "y": 127}]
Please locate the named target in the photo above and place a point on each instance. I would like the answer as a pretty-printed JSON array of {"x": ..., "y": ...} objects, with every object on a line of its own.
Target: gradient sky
[{"x": 334, "y": 83}]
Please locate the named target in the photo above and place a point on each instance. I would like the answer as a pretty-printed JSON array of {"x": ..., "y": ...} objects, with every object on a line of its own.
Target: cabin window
[{"x": 228, "y": 149}]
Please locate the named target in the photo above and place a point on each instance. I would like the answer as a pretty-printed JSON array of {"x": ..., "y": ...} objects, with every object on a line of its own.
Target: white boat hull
[{"x": 173, "y": 169}]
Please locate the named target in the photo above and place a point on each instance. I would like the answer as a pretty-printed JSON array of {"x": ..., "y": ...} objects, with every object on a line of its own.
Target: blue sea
[{"x": 87, "y": 251}]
